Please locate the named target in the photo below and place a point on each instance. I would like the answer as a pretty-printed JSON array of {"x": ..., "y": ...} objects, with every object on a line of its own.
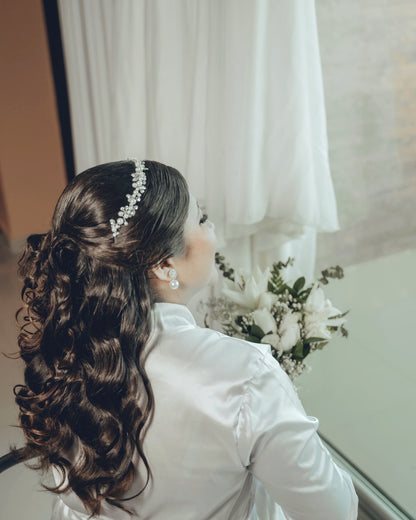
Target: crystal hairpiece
[{"x": 139, "y": 185}]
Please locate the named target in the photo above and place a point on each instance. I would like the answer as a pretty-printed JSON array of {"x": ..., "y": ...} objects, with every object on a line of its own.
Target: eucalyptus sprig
[
  {"x": 331, "y": 272},
  {"x": 227, "y": 271}
]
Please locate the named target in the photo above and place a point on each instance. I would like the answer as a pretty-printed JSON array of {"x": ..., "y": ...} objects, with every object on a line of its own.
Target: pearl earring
[{"x": 173, "y": 284}]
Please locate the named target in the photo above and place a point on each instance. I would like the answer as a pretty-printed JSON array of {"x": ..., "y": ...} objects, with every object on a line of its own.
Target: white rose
[
  {"x": 265, "y": 320},
  {"x": 287, "y": 335},
  {"x": 289, "y": 331},
  {"x": 271, "y": 339}
]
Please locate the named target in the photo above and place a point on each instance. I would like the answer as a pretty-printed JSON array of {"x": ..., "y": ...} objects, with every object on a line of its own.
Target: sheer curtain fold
[{"x": 228, "y": 91}]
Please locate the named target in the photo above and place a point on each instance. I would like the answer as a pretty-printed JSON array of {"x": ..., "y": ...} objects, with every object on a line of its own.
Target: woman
[{"x": 138, "y": 412}]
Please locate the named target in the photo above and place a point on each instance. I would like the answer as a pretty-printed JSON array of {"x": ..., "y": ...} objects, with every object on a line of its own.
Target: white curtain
[{"x": 227, "y": 91}]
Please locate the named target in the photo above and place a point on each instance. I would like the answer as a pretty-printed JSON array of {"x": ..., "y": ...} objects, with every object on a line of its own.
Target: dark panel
[{"x": 50, "y": 9}]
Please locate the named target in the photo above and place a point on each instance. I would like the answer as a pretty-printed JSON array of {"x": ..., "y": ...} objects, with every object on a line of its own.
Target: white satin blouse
[{"x": 229, "y": 439}]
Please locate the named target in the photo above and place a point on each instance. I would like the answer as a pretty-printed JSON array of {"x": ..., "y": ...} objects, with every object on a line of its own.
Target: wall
[
  {"x": 362, "y": 390},
  {"x": 369, "y": 69},
  {"x": 32, "y": 173}
]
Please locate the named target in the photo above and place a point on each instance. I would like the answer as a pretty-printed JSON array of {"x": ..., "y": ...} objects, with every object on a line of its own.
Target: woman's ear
[{"x": 161, "y": 271}]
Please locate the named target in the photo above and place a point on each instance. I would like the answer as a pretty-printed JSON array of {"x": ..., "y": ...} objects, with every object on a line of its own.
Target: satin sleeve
[{"x": 279, "y": 444}]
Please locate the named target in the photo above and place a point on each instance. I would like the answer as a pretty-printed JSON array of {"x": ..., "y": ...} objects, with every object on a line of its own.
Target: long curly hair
[{"x": 86, "y": 320}]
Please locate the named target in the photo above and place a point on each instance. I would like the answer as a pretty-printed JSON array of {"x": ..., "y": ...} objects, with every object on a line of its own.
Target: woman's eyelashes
[{"x": 203, "y": 219}]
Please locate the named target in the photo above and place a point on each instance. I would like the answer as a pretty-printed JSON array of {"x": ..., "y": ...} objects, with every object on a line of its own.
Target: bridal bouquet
[{"x": 261, "y": 307}]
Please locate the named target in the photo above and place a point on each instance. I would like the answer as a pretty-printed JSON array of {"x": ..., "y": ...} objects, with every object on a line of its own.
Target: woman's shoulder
[
  {"x": 229, "y": 355},
  {"x": 217, "y": 341},
  {"x": 234, "y": 342},
  {"x": 252, "y": 361},
  {"x": 180, "y": 342}
]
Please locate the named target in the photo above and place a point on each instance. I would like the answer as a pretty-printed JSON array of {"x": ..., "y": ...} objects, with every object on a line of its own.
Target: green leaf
[
  {"x": 276, "y": 284},
  {"x": 298, "y": 350},
  {"x": 306, "y": 292},
  {"x": 253, "y": 339},
  {"x": 315, "y": 340},
  {"x": 271, "y": 288},
  {"x": 291, "y": 291},
  {"x": 331, "y": 272},
  {"x": 338, "y": 315},
  {"x": 344, "y": 331},
  {"x": 256, "y": 331},
  {"x": 298, "y": 285}
]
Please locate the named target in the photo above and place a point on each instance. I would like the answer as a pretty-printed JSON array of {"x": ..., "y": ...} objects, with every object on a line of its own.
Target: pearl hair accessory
[
  {"x": 139, "y": 185},
  {"x": 173, "y": 284}
]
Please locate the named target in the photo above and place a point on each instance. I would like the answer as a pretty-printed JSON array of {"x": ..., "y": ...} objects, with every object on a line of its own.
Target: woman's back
[{"x": 209, "y": 427}]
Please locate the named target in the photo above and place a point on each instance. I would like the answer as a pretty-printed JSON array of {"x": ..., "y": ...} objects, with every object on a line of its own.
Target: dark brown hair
[{"x": 86, "y": 319}]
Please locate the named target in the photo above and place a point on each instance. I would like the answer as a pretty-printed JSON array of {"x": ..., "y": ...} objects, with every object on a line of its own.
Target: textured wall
[{"x": 368, "y": 52}]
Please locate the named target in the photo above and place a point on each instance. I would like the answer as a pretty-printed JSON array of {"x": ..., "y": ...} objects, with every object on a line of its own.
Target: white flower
[
  {"x": 318, "y": 311},
  {"x": 289, "y": 331},
  {"x": 287, "y": 334},
  {"x": 253, "y": 293},
  {"x": 265, "y": 320},
  {"x": 267, "y": 300},
  {"x": 271, "y": 339}
]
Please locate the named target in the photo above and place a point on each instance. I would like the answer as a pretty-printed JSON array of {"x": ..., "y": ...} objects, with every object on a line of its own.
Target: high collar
[{"x": 173, "y": 316}]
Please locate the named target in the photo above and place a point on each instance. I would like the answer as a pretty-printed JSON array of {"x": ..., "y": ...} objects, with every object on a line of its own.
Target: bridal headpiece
[{"x": 139, "y": 187}]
